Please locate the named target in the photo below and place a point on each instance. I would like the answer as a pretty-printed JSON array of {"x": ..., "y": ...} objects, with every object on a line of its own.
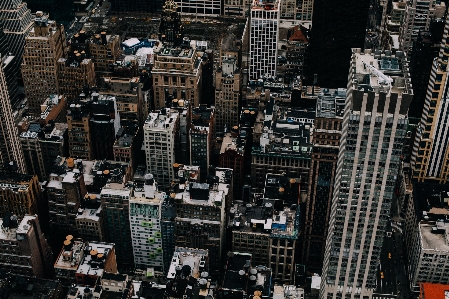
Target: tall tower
[
  {"x": 10, "y": 148},
  {"x": 17, "y": 22},
  {"x": 9, "y": 68},
  {"x": 264, "y": 36},
  {"x": 373, "y": 130},
  {"x": 170, "y": 28},
  {"x": 337, "y": 26},
  {"x": 430, "y": 156},
  {"x": 43, "y": 47}
]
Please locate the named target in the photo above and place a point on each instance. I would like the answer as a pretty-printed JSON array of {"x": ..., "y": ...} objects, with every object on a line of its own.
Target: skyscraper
[
  {"x": 17, "y": 22},
  {"x": 43, "y": 47},
  {"x": 10, "y": 70},
  {"x": 60, "y": 10},
  {"x": 337, "y": 26},
  {"x": 263, "y": 41},
  {"x": 10, "y": 149},
  {"x": 373, "y": 130},
  {"x": 430, "y": 158}
]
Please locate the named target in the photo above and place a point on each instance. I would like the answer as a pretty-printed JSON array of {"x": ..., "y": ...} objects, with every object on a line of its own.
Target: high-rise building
[
  {"x": 17, "y": 22},
  {"x": 78, "y": 116},
  {"x": 263, "y": 40},
  {"x": 176, "y": 75},
  {"x": 115, "y": 205},
  {"x": 210, "y": 8},
  {"x": 171, "y": 29},
  {"x": 236, "y": 8},
  {"x": 337, "y": 26},
  {"x": 74, "y": 73},
  {"x": 144, "y": 218},
  {"x": 89, "y": 220},
  {"x": 25, "y": 249},
  {"x": 61, "y": 11},
  {"x": 161, "y": 134},
  {"x": 200, "y": 216},
  {"x": 326, "y": 142},
  {"x": 9, "y": 68},
  {"x": 202, "y": 138},
  {"x": 21, "y": 194},
  {"x": 304, "y": 11},
  {"x": 65, "y": 189},
  {"x": 417, "y": 17},
  {"x": 430, "y": 158},
  {"x": 10, "y": 149},
  {"x": 44, "y": 46},
  {"x": 373, "y": 130},
  {"x": 228, "y": 89}
]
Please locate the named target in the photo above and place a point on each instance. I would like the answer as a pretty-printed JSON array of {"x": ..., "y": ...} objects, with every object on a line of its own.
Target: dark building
[
  {"x": 26, "y": 287},
  {"x": 104, "y": 124},
  {"x": 326, "y": 141},
  {"x": 137, "y": 5},
  {"x": 7, "y": 63},
  {"x": 60, "y": 10},
  {"x": 337, "y": 26},
  {"x": 425, "y": 50},
  {"x": 171, "y": 30}
]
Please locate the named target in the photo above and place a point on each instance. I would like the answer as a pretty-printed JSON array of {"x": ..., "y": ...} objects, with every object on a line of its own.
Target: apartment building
[
  {"x": 161, "y": 135},
  {"x": 326, "y": 142},
  {"x": 202, "y": 138},
  {"x": 44, "y": 46},
  {"x": 177, "y": 74},
  {"x": 24, "y": 248}
]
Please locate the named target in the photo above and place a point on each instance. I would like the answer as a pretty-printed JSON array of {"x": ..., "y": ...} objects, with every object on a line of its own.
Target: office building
[
  {"x": 89, "y": 220},
  {"x": 326, "y": 143},
  {"x": 55, "y": 143},
  {"x": 171, "y": 30},
  {"x": 65, "y": 188},
  {"x": 78, "y": 121},
  {"x": 145, "y": 220},
  {"x": 132, "y": 102},
  {"x": 115, "y": 205},
  {"x": 200, "y": 214},
  {"x": 263, "y": 40},
  {"x": 284, "y": 144},
  {"x": 17, "y": 22},
  {"x": 127, "y": 146},
  {"x": 236, "y": 8},
  {"x": 202, "y": 139},
  {"x": 271, "y": 222},
  {"x": 337, "y": 27},
  {"x": 25, "y": 249},
  {"x": 21, "y": 194},
  {"x": 296, "y": 49},
  {"x": 429, "y": 159},
  {"x": 161, "y": 134},
  {"x": 10, "y": 149},
  {"x": 103, "y": 49},
  {"x": 44, "y": 46},
  {"x": 200, "y": 8},
  {"x": 74, "y": 73},
  {"x": 417, "y": 17},
  {"x": 367, "y": 167},
  {"x": 232, "y": 155},
  {"x": 304, "y": 11},
  {"x": 9, "y": 68},
  {"x": 228, "y": 89},
  {"x": 176, "y": 75},
  {"x": 104, "y": 125}
]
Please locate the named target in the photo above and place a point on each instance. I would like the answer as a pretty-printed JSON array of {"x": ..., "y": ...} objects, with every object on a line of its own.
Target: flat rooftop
[
  {"x": 188, "y": 256},
  {"x": 432, "y": 241},
  {"x": 164, "y": 120}
]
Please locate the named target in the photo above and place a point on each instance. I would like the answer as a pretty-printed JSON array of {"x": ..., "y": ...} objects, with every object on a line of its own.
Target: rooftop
[
  {"x": 331, "y": 103},
  {"x": 192, "y": 261},
  {"x": 434, "y": 236},
  {"x": 434, "y": 290},
  {"x": 10, "y": 230},
  {"x": 95, "y": 255},
  {"x": 71, "y": 254},
  {"x": 164, "y": 120},
  {"x": 233, "y": 144}
]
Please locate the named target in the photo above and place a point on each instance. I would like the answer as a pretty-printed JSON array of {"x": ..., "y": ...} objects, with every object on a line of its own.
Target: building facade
[
  {"x": 74, "y": 73},
  {"x": 202, "y": 138},
  {"x": 326, "y": 143},
  {"x": 430, "y": 156},
  {"x": 44, "y": 46},
  {"x": 374, "y": 126},
  {"x": 161, "y": 131},
  {"x": 263, "y": 40}
]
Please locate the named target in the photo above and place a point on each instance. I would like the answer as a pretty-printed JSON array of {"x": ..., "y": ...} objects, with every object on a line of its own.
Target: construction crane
[{"x": 383, "y": 79}]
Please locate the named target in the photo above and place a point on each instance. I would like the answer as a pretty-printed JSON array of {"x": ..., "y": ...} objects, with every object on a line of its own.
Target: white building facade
[
  {"x": 263, "y": 39},
  {"x": 374, "y": 127}
]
